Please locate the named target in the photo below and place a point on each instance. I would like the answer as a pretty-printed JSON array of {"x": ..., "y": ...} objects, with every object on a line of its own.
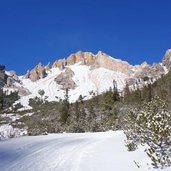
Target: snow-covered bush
[
  {"x": 152, "y": 126},
  {"x": 8, "y": 131}
]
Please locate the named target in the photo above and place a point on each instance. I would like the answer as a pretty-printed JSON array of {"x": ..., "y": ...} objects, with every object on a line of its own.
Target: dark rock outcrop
[
  {"x": 3, "y": 76},
  {"x": 65, "y": 79}
]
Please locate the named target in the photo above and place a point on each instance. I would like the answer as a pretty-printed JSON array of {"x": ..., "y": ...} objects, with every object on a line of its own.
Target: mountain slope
[{"x": 83, "y": 73}]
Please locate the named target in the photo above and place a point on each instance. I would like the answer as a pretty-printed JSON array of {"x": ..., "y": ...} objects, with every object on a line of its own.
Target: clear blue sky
[{"x": 33, "y": 31}]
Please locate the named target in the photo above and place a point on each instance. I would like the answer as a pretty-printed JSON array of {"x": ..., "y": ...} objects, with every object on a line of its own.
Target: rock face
[
  {"x": 167, "y": 59},
  {"x": 147, "y": 74},
  {"x": 86, "y": 58},
  {"x": 61, "y": 63},
  {"x": 48, "y": 66},
  {"x": 23, "y": 91},
  {"x": 150, "y": 71},
  {"x": 3, "y": 76},
  {"x": 65, "y": 79},
  {"x": 105, "y": 61},
  {"x": 38, "y": 72},
  {"x": 10, "y": 82},
  {"x": 91, "y": 74},
  {"x": 138, "y": 73},
  {"x": 95, "y": 61}
]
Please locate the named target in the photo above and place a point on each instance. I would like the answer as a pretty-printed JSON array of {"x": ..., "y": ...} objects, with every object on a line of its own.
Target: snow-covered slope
[
  {"x": 83, "y": 73},
  {"x": 72, "y": 152},
  {"x": 88, "y": 82},
  {"x": 47, "y": 84}
]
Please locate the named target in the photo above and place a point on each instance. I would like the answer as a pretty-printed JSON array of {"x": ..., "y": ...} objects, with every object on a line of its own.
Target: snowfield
[
  {"x": 72, "y": 152},
  {"x": 86, "y": 80}
]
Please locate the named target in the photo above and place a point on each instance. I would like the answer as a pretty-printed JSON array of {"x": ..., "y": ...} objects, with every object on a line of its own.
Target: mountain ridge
[{"x": 86, "y": 74}]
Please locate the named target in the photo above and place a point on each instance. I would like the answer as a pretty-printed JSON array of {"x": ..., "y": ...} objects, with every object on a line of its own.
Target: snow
[
  {"x": 12, "y": 116},
  {"x": 72, "y": 152},
  {"x": 83, "y": 82},
  {"x": 87, "y": 81},
  {"x": 103, "y": 79},
  {"x": 165, "y": 69},
  {"x": 8, "y": 131},
  {"x": 47, "y": 84}
]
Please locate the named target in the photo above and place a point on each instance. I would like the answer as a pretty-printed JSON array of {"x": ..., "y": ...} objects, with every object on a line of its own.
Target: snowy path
[{"x": 70, "y": 152}]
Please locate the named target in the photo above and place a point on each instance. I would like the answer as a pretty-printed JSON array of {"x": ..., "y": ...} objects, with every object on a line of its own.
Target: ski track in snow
[
  {"x": 54, "y": 153},
  {"x": 71, "y": 152}
]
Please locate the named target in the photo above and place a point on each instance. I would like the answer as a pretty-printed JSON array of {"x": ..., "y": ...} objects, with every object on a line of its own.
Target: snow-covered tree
[
  {"x": 152, "y": 126},
  {"x": 41, "y": 93},
  {"x": 130, "y": 130}
]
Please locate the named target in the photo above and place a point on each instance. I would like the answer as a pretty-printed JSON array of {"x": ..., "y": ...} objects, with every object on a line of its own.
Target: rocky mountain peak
[
  {"x": 167, "y": 59},
  {"x": 144, "y": 64},
  {"x": 105, "y": 61},
  {"x": 100, "y": 60},
  {"x": 38, "y": 72},
  {"x": 92, "y": 74}
]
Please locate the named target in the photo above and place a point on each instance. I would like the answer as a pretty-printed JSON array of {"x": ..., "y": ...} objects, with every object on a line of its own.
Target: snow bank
[
  {"x": 8, "y": 131},
  {"x": 73, "y": 152}
]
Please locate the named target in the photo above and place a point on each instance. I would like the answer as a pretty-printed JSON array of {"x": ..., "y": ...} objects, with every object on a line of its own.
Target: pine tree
[
  {"x": 127, "y": 93},
  {"x": 116, "y": 95},
  {"x": 80, "y": 99},
  {"x": 131, "y": 131},
  {"x": 151, "y": 126},
  {"x": 77, "y": 111},
  {"x": 65, "y": 108}
]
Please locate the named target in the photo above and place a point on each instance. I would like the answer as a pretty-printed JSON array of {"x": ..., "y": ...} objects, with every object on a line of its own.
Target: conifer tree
[
  {"x": 151, "y": 126},
  {"x": 127, "y": 93},
  {"x": 116, "y": 95},
  {"x": 65, "y": 108}
]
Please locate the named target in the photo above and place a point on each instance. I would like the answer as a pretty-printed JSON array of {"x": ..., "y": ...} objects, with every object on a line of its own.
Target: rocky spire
[
  {"x": 167, "y": 59},
  {"x": 36, "y": 73}
]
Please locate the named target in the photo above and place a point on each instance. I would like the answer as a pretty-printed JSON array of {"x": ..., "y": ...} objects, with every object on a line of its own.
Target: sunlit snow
[{"x": 72, "y": 152}]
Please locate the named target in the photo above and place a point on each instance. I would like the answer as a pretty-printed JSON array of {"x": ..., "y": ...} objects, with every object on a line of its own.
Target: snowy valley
[{"x": 86, "y": 112}]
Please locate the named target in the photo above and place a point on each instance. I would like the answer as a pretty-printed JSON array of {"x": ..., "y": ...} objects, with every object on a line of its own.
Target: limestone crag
[
  {"x": 167, "y": 59},
  {"x": 101, "y": 60},
  {"x": 84, "y": 58},
  {"x": 48, "y": 66},
  {"x": 95, "y": 61},
  {"x": 38, "y": 72},
  {"x": 65, "y": 79},
  {"x": 92, "y": 73},
  {"x": 105, "y": 61},
  {"x": 61, "y": 63},
  {"x": 75, "y": 58}
]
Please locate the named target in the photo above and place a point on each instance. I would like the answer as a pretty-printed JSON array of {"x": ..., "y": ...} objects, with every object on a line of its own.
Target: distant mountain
[{"x": 83, "y": 73}]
